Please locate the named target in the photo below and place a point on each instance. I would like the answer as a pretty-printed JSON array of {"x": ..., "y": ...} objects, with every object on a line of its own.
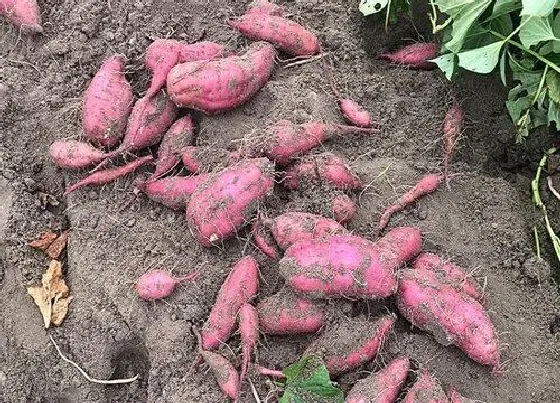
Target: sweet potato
[
  {"x": 354, "y": 113},
  {"x": 449, "y": 274},
  {"x": 179, "y": 136},
  {"x": 383, "y": 386},
  {"x": 263, "y": 240},
  {"x": 164, "y": 54},
  {"x": 226, "y": 375},
  {"x": 24, "y": 14},
  {"x": 351, "y": 343},
  {"x": 148, "y": 122},
  {"x": 287, "y": 313},
  {"x": 228, "y": 199},
  {"x": 219, "y": 85},
  {"x": 238, "y": 288},
  {"x": 158, "y": 284},
  {"x": 426, "y": 389},
  {"x": 349, "y": 266},
  {"x": 287, "y": 35},
  {"x": 415, "y": 56},
  {"x": 107, "y": 103},
  {"x": 426, "y": 185},
  {"x": 451, "y": 316},
  {"x": 327, "y": 168},
  {"x": 109, "y": 175},
  {"x": 264, "y": 7},
  {"x": 287, "y": 140},
  {"x": 174, "y": 191},
  {"x": 74, "y": 154},
  {"x": 344, "y": 209},
  {"x": 249, "y": 334},
  {"x": 455, "y": 397}
]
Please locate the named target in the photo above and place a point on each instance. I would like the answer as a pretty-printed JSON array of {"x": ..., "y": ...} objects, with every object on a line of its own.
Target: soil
[{"x": 484, "y": 222}]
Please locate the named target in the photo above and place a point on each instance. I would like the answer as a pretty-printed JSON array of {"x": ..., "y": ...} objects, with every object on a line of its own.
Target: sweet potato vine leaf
[{"x": 52, "y": 296}]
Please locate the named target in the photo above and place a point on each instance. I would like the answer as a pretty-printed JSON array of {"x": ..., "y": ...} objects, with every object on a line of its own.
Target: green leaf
[
  {"x": 368, "y": 7},
  {"x": 504, "y": 7},
  {"x": 538, "y": 8},
  {"x": 307, "y": 381},
  {"x": 534, "y": 30},
  {"x": 481, "y": 60},
  {"x": 553, "y": 84},
  {"x": 503, "y": 65},
  {"x": 448, "y": 64},
  {"x": 554, "y": 114}
]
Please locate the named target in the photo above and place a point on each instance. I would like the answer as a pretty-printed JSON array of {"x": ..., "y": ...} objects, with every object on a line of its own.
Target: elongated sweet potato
[
  {"x": 449, "y": 274},
  {"x": 426, "y": 389},
  {"x": 164, "y": 54},
  {"x": 383, "y": 386},
  {"x": 351, "y": 343},
  {"x": 174, "y": 191},
  {"x": 354, "y": 113},
  {"x": 228, "y": 199},
  {"x": 239, "y": 287},
  {"x": 264, "y": 7},
  {"x": 287, "y": 313},
  {"x": 455, "y": 397},
  {"x": 107, "y": 103},
  {"x": 349, "y": 266},
  {"x": 214, "y": 86},
  {"x": 451, "y": 316},
  {"x": 287, "y": 35},
  {"x": 75, "y": 154},
  {"x": 327, "y": 168},
  {"x": 25, "y": 14},
  {"x": 179, "y": 136},
  {"x": 415, "y": 56},
  {"x": 249, "y": 334}
]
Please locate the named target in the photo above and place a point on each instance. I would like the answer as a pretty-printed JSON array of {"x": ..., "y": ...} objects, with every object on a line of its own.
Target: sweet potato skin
[
  {"x": 249, "y": 334},
  {"x": 349, "y": 266},
  {"x": 287, "y": 35},
  {"x": 264, "y": 7},
  {"x": 415, "y": 56},
  {"x": 286, "y": 313},
  {"x": 228, "y": 199},
  {"x": 451, "y": 316},
  {"x": 337, "y": 359},
  {"x": 426, "y": 389},
  {"x": 107, "y": 103},
  {"x": 174, "y": 191},
  {"x": 354, "y": 113},
  {"x": 226, "y": 375},
  {"x": 239, "y": 287},
  {"x": 25, "y": 14},
  {"x": 179, "y": 136},
  {"x": 219, "y": 85},
  {"x": 74, "y": 154},
  {"x": 383, "y": 386},
  {"x": 344, "y": 208}
]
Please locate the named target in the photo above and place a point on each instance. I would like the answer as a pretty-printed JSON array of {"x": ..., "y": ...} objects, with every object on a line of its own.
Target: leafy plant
[
  {"x": 307, "y": 381},
  {"x": 392, "y": 7}
]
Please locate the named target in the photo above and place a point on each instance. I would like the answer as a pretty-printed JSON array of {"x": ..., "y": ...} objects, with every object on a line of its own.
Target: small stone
[
  {"x": 422, "y": 214},
  {"x": 92, "y": 195},
  {"x": 495, "y": 225},
  {"x": 130, "y": 223},
  {"x": 58, "y": 47},
  {"x": 30, "y": 184}
]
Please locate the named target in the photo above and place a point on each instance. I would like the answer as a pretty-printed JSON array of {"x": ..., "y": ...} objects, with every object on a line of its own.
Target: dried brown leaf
[
  {"x": 56, "y": 248},
  {"x": 43, "y": 301},
  {"x": 45, "y": 240}
]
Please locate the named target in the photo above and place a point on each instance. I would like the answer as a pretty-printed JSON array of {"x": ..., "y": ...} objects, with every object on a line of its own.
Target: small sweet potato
[
  {"x": 383, "y": 386},
  {"x": 179, "y": 136},
  {"x": 263, "y": 240},
  {"x": 158, "y": 284},
  {"x": 415, "y": 56},
  {"x": 24, "y": 14},
  {"x": 174, "y": 191},
  {"x": 354, "y": 113},
  {"x": 326, "y": 168},
  {"x": 349, "y": 266},
  {"x": 344, "y": 209},
  {"x": 264, "y": 7},
  {"x": 228, "y": 199},
  {"x": 74, "y": 154},
  {"x": 107, "y": 103},
  {"x": 287, "y": 35},
  {"x": 239, "y": 287},
  {"x": 287, "y": 313},
  {"x": 452, "y": 317},
  {"x": 226, "y": 375},
  {"x": 215, "y": 86},
  {"x": 351, "y": 343},
  {"x": 455, "y": 397},
  {"x": 426, "y": 389}
]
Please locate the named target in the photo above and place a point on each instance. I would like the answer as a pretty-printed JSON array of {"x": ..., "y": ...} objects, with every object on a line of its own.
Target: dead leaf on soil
[
  {"x": 45, "y": 240},
  {"x": 53, "y": 296},
  {"x": 56, "y": 248}
]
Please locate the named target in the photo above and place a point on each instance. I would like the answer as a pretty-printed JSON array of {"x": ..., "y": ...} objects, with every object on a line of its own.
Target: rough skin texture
[
  {"x": 107, "y": 103},
  {"x": 25, "y": 14},
  {"x": 415, "y": 56},
  {"x": 354, "y": 113},
  {"x": 352, "y": 343},
  {"x": 179, "y": 136},
  {"x": 174, "y": 191},
  {"x": 264, "y": 7},
  {"x": 451, "y": 316},
  {"x": 239, "y": 287},
  {"x": 344, "y": 208},
  {"x": 426, "y": 389},
  {"x": 74, "y": 154},
  {"x": 219, "y": 85},
  {"x": 383, "y": 386},
  {"x": 349, "y": 266},
  {"x": 288, "y": 36},
  {"x": 226, "y": 375},
  {"x": 229, "y": 199}
]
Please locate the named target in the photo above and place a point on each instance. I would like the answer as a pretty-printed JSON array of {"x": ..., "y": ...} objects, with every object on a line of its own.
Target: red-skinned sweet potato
[
  {"x": 228, "y": 199},
  {"x": 426, "y": 389},
  {"x": 415, "y": 56},
  {"x": 354, "y": 113},
  {"x": 24, "y": 14},
  {"x": 174, "y": 191},
  {"x": 287, "y": 313},
  {"x": 179, "y": 136},
  {"x": 349, "y": 266},
  {"x": 344, "y": 209},
  {"x": 351, "y": 343},
  {"x": 239, "y": 287},
  {"x": 74, "y": 154},
  {"x": 287, "y": 35},
  {"x": 452, "y": 317},
  {"x": 264, "y": 7},
  {"x": 263, "y": 240},
  {"x": 383, "y": 386},
  {"x": 158, "y": 284},
  {"x": 216, "y": 86},
  {"x": 327, "y": 168},
  {"x": 249, "y": 334},
  {"x": 107, "y": 103}
]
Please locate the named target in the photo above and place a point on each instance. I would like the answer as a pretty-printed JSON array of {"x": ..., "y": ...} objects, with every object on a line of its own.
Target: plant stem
[{"x": 537, "y": 242}]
